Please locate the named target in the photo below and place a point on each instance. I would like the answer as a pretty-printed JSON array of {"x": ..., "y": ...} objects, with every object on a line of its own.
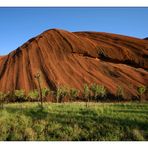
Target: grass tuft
[{"x": 74, "y": 122}]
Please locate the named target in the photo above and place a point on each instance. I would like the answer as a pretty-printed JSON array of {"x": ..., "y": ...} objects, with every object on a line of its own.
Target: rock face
[{"x": 76, "y": 58}]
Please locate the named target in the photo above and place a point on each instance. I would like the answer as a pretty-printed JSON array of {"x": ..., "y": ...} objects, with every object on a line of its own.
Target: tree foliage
[
  {"x": 99, "y": 91},
  {"x": 33, "y": 95},
  {"x": 61, "y": 92},
  {"x": 20, "y": 95},
  {"x": 141, "y": 90},
  {"x": 74, "y": 93}
]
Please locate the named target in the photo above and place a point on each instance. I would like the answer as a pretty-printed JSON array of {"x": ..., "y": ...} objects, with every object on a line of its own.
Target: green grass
[{"x": 73, "y": 121}]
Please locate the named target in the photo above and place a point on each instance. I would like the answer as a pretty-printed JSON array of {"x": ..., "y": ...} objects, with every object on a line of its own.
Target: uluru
[{"x": 76, "y": 58}]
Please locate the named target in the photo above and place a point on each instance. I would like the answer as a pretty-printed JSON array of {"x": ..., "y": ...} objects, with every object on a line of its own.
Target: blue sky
[{"x": 17, "y": 25}]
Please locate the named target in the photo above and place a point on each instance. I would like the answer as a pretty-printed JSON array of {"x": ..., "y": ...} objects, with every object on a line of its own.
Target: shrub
[
  {"x": 10, "y": 97},
  {"x": 33, "y": 95},
  {"x": 18, "y": 124},
  {"x": 137, "y": 135},
  {"x": 120, "y": 93},
  {"x": 86, "y": 93},
  {"x": 103, "y": 91},
  {"x": 45, "y": 92},
  {"x": 141, "y": 90},
  {"x": 61, "y": 92},
  {"x": 29, "y": 134},
  {"x": 19, "y": 95},
  {"x": 99, "y": 91},
  {"x": 74, "y": 93}
]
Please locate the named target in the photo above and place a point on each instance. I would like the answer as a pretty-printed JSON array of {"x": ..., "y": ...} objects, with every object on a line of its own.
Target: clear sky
[{"x": 17, "y": 25}]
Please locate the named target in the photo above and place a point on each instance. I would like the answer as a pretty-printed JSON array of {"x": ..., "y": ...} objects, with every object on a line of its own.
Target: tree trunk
[{"x": 40, "y": 92}]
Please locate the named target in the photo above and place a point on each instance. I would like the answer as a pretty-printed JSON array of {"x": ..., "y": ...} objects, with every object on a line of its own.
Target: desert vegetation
[
  {"x": 99, "y": 92},
  {"x": 141, "y": 90},
  {"x": 74, "y": 121},
  {"x": 90, "y": 93},
  {"x": 84, "y": 116}
]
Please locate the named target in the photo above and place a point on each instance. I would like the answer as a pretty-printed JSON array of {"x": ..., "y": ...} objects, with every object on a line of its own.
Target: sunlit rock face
[{"x": 73, "y": 59}]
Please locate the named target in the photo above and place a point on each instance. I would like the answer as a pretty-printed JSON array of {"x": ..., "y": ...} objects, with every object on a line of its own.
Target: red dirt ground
[{"x": 76, "y": 58}]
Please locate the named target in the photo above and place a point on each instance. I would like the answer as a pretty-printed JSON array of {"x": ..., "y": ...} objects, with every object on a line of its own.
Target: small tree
[
  {"x": 45, "y": 92},
  {"x": 86, "y": 93},
  {"x": 10, "y": 97},
  {"x": 103, "y": 91},
  {"x": 61, "y": 92},
  {"x": 74, "y": 93},
  {"x": 19, "y": 95},
  {"x": 141, "y": 90},
  {"x": 37, "y": 76},
  {"x": 33, "y": 95},
  {"x": 99, "y": 91},
  {"x": 95, "y": 88},
  {"x": 119, "y": 93}
]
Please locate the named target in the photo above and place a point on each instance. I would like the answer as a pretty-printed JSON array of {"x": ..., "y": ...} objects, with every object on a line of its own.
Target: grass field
[{"x": 74, "y": 121}]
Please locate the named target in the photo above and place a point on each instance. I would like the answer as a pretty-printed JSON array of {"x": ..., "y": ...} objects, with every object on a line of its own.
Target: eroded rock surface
[{"x": 76, "y": 58}]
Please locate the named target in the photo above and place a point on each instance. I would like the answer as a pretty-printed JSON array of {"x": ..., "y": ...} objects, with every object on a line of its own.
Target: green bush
[
  {"x": 33, "y": 95},
  {"x": 13, "y": 96},
  {"x": 99, "y": 91},
  {"x": 20, "y": 124},
  {"x": 19, "y": 95},
  {"x": 29, "y": 134},
  {"x": 137, "y": 135},
  {"x": 10, "y": 97},
  {"x": 73, "y": 93},
  {"x": 61, "y": 92},
  {"x": 45, "y": 92},
  {"x": 86, "y": 93},
  {"x": 40, "y": 128},
  {"x": 4, "y": 125},
  {"x": 103, "y": 91},
  {"x": 141, "y": 90}
]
